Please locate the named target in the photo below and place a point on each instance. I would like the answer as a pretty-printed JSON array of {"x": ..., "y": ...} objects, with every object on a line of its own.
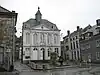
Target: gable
[
  {"x": 3, "y": 9},
  {"x": 48, "y": 25},
  {"x": 41, "y": 27}
]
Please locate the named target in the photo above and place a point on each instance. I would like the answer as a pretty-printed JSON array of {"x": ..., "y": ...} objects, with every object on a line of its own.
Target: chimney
[
  {"x": 98, "y": 22},
  {"x": 68, "y": 32},
  {"x": 78, "y": 28},
  {"x": 13, "y": 11}
]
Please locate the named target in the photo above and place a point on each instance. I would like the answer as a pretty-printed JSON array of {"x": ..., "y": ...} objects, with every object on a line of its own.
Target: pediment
[
  {"x": 41, "y": 27},
  {"x": 3, "y": 9}
]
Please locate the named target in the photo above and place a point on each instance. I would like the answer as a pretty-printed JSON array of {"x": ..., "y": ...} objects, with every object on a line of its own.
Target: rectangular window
[
  {"x": 27, "y": 52},
  {"x": 97, "y": 55},
  {"x": 97, "y": 43},
  {"x": 82, "y": 47},
  {"x": 72, "y": 55},
  {"x": 77, "y": 44},
  {"x": 42, "y": 37},
  {"x": 55, "y": 39},
  {"x": 27, "y": 38},
  {"x": 66, "y": 40},
  {"x": 71, "y": 46},
  {"x": 76, "y": 37},
  {"x": 49, "y": 38},
  {"x": 74, "y": 45},
  {"x": 73, "y": 38},
  {"x": 75, "y": 55},
  {"x": 67, "y": 48},
  {"x": 56, "y": 50},
  {"x": 70, "y": 39},
  {"x": 89, "y": 56},
  {"x": 78, "y": 55},
  {"x": 27, "y": 57},
  {"x": 48, "y": 53},
  {"x": 87, "y": 46},
  {"x": 35, "y": 38}
]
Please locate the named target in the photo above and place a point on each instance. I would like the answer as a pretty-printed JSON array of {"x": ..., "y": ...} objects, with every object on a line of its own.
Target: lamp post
[{"x": 21, "y": 46}]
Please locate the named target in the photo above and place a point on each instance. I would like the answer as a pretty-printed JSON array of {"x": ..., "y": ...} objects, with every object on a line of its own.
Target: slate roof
[
  {"x": 87, "y": 27},
  {"x": 6, "y": 13},
  {"x": 3, "y": 9},
  {"x": 35, "y": 22},
  {"x": 48, "y": 24}
]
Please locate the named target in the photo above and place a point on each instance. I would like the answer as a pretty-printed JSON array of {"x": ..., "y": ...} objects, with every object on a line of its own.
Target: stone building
[
  {"x": 90, "y": 43},
  {"x": 18, "y": 43},
  {"x": 62, "y": 48},
  {"x": 8, "y": 21},
  {"x": 40, "y": 37},
  {"x": 71, "y": 44}
]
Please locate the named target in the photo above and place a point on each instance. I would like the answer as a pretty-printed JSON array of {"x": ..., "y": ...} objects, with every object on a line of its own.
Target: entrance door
[{"x": 43, "y": 54}]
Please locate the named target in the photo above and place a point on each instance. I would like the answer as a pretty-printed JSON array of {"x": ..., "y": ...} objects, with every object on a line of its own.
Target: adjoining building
[
  {"x": 90, "y": 43},
  {"x": 71, "y": 44},
  {"x": 8, "y": 21},
  {"x": 18, "y": 43},
  {"x": 40, "y": 37},
  {"x": 62, "y": 48}
]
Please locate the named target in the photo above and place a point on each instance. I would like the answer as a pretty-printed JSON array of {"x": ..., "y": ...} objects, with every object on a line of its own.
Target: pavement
[
  {"x": 21, "y": 67},
  {"x": 63, "y": 70}
]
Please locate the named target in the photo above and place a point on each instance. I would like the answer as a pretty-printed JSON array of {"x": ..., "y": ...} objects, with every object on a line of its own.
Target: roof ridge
[{"x": 4, "y": 9}]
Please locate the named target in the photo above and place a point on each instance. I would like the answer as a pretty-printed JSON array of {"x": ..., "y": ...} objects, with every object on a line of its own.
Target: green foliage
[{"x": 53, "y": 58}]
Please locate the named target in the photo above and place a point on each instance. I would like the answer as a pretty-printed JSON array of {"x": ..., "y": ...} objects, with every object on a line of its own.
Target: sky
[{"x": 66, "y": 14}]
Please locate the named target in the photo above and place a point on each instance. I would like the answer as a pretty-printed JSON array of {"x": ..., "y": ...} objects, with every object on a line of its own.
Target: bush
[
  {"x": 3, "y": 69},
  {"x": 53, "y": 58}
]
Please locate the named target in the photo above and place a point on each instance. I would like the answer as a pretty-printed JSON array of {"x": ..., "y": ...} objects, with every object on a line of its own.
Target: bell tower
[{"x": 38, "y": 16}]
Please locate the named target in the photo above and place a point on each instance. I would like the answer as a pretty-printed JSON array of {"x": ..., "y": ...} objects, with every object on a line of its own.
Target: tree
[{"x": 53, "y": 58}]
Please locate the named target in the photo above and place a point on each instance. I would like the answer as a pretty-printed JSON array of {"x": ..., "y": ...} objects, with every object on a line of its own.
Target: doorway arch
[{"x": 42, "y": 53}]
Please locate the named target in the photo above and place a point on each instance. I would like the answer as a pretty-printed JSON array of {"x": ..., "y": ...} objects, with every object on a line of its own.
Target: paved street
[
  {"x": 21, "y": 67},
  {"x": 58, "y": 72},
  {"x": 25, "y": 70}
]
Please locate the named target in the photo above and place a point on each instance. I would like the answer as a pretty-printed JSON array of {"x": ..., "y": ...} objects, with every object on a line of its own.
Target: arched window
[
  {"x": 35, "y": 38},
  {"x": 27, "y": 38},
  {"x": 49, "y": 51},
  {"x": 35, "y": 49},
  {"x": 27, "y": 53},
  {"x": 55, "y": 39},
  {"x": 42, "y": 38},
  {"x": 49, "y": 39},
  {"x": 42, "y": 55}
]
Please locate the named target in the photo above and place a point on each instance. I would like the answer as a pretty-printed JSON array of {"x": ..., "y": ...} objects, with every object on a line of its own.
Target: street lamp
[{"x": 22, "y": 46}]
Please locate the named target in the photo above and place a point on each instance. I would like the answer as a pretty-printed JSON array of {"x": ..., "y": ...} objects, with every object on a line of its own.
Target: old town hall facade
[{"x": 40, "y": 37}]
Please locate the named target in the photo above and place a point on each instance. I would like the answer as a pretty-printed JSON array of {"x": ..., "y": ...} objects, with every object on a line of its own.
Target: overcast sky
[{"x": 66, "y": 14}]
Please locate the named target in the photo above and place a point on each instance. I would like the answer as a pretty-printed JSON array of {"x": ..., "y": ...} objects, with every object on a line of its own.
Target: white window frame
[
  {"x": 98, "y": 43},
  {"x": 97, "y": 55},
  {"x": 35, "y": 38},
  {"x": 27, "y": 38},
  {"x": 27, "y": 51},
  {"x": 49, "y": 38},
  {"x": 55, "y": 38}
]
